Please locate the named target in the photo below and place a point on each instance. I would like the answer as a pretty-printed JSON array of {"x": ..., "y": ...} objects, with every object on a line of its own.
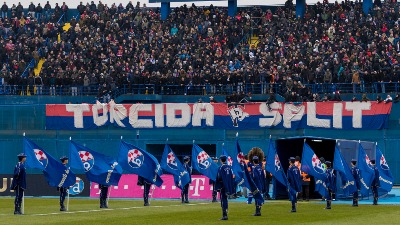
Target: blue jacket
[
  {"x": 330, "y": 179},
  {"x": 356, "y": 174},
  {"x": 225, "y": 179},
  {"x": 188, "y": 169},
  {"x": 19, "y": 178},
  {"x": 375, "y": 181},
  {"x": 259, "y": 177},
  {"x": 294, "y": 178}
]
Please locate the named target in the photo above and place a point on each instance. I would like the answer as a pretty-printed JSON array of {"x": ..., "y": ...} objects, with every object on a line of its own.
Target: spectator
[{"x": 388, "y": 99}]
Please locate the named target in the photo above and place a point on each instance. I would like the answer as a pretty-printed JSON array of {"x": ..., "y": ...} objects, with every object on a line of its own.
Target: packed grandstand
[{"x": 119, "y": 49}]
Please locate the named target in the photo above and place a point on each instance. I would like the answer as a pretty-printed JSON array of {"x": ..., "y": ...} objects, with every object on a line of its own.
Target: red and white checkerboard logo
[
  {"x": 41, "y": 157},
  {"x": 87, "y": 160},
  {"x": 203, "y": 160},
  {"x": 317, "y": 165},
  {"x": 383, "y": 163},
  {"x": 135, "y": 158},
  {"x": 171, "y": 161},
  {"x": 240, "y": 158},
  {"x": 230, "y": 161}
]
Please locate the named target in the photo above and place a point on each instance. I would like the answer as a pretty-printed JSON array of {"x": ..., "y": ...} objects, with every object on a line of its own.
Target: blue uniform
[
  {"x": 294, "y": 179},
  {"x": 185, "y": 189},
  {"x": 356, "y": 174},
  {"x": 225, "y": 183},
  {"x": 146, "y": 189},
  {"x": 375, "y": 185},
  {"x": 258, "y": 176},
  {"x": 330, "y": 183},
  {"x": 19, "y": 185},
  {"x": 63, "y": 193}
]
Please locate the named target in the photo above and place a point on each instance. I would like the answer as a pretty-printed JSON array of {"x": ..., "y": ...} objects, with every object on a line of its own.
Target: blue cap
[
  {"x": 255, "y": 157},
  {"x": 292, "y": 159},
  {"x": 354, "y": 161},
  {"x": 63, "y": 158},
  {"x": 186, "y": 158},
  {"x": 21, "y": 155},
  {"x": 328, "y": 163},
  {"x": 223, "y": 158}
]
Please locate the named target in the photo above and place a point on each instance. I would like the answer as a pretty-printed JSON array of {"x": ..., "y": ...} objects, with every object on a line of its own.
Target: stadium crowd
[{"x": 201, "y": 49}]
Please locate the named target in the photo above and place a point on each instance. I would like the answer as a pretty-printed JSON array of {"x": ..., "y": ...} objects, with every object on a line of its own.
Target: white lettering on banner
[
  {"x": 337, "y": 115},
  {"x": 197, "y": 186},
  {"x": 364, "y": 184},
  {"x": 276, "y": 116},
  {"x": 203, "y": 111},
  {"x": 117, "y": 113},
  {"x": 172, "y": 109},
  {"x": 134, "y": 114},
  {"x": 386, "y": 181},
  {"x": 100, "y": 120},
  {"x": 159, "y": 115},
  {"x": 357, "y": 108},
  {"x": 312, "y": 119},
  {"x": 292, "y": 113},
  {"x": 78, "y": 110}
]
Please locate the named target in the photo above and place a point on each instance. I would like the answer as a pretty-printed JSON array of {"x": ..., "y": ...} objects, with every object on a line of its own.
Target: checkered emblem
[
  {"x": 277, "y": 163},
  {"x": 368, "y": 162},
  {"x": 383, "y": 163},
  {"x": 171, "y": 161},
  {"x": 204, "y": 160},
  {"x": 317, "y": 165},
  {"x": 41, "y": 157},
  {"x": 135, "y": 158},
  {"x": 87, "y": 160},
  {"x": 240, "y": 158},
  {"x": 230, "y": 161}
]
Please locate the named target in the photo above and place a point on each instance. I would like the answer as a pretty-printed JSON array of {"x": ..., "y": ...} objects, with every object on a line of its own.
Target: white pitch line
[{"x": 99, "y": 210}]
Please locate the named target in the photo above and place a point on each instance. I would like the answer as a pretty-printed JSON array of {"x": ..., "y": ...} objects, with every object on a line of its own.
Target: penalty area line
[{"x": 100, "y": 210}]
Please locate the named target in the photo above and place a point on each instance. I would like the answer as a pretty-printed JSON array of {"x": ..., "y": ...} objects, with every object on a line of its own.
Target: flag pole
[
  {"x": 152, "y": 191},
  {"x": 109, "y": 193},
  {"x": 23, "y": 134},
  {"x": 68, "y": 200},
  {"x": 122, "y": 137},
  {"x": 23, "y": 203}
]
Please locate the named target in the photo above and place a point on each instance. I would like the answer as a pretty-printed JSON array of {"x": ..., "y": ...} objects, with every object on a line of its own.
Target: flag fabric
[
  {"x": 138, "y": 161},
  {"x": 347, "y": 179},
  {"x": 257, "y": 195},
  {"x": 238, "y": 166},
  {"x": 171, "y": 164},
  {"x": 366, "y": 170},
  {"x": 273, "y": 165},
  {"x": 56, "y": 174},
  {"x": 385, "y": 176},
  {"x": 98, "y": 168},
  {"x": 203, "y": 163},
  {"x": 238, "y": 173},
  {"x": 311, "y": 165}
]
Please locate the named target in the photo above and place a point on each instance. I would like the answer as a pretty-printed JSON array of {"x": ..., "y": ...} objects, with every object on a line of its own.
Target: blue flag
[
  {"x": 99, "y": 168},
  {"x": 385, "y": 176},
  {"x": 203, "y": 163},
  {"x": 257, "y": 195},
  {"x": 311, "y": 165},
  {"x": 137, "y": 161},
  {"x": 56, "y": 174},
  {"x": 238, "y": 166},
  {"x": 366, "y": 170},
  {"x": 171, "y": 164},
  {"x": 348, "y": 182},
  {"x": 273, "y": 165}
]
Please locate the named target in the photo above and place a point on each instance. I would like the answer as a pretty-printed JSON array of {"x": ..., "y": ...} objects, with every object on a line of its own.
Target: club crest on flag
[
  {"x": 171, "y": 161},
  {"x": 41, "y": 157},
  {"x": 237, "y": 114},
  {"x": 78, "y": 187},
  {"x": 368, "y": 162},
  {"x": 317, "y": 165},
  {"x": 202, "y": 159},
  {"x": 87, "y": 160},
  {"x": 240, "y": 158},
  {"x": 230, "y": 161},
  {"x": 383, "y": 163},
  {"x": 135, "y": 158},
  {"x": 277, "y": 163}
]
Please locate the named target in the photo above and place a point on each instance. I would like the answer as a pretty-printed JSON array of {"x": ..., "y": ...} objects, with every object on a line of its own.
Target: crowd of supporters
[{"x": 202, "y": 49}]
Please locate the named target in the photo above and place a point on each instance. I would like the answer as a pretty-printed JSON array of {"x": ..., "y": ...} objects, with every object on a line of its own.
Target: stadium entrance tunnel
[{"x": 323, "y": 147}]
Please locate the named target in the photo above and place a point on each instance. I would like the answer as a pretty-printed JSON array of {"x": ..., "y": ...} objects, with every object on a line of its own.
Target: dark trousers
[
  {"x": 19, "y": 193},
  {"x": 292, "y": 198},
  {"x": 185, "y": 192},
  {"x": 305, "y": 193},
  {"x": 103, "y": 192},
  {"x": 214, "y": 192},
  {"x": 63, "y": 193},
  {"x": 329, "y": 197},
  {"x": 146, "y": 191},
  {"x": 375, "y": 192},
  {"x": 224, "y": 199},
  {"x": 355, "y": 195}
]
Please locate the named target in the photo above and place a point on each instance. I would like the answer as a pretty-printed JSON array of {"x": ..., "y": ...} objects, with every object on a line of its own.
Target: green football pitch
[{"x": 87, "y": 211}]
